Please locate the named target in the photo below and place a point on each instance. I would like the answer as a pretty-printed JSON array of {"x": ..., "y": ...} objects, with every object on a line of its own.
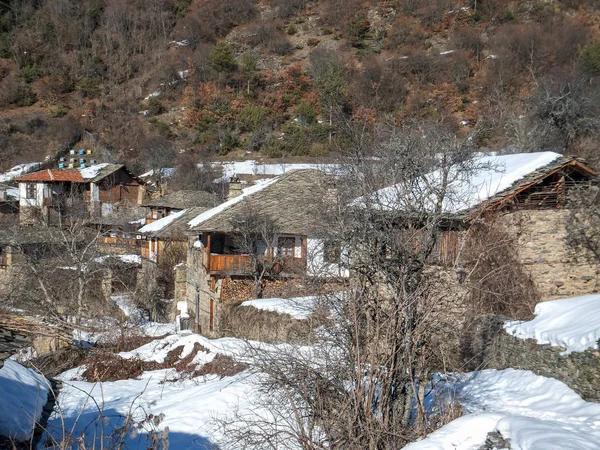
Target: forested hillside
[{"x": 158, "y": 83}]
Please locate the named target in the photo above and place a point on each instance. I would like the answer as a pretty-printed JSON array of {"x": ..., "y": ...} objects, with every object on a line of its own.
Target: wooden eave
[{"x": 519, "y": 190}]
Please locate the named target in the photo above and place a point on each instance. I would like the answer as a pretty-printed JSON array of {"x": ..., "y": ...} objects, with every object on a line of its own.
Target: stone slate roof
[
  {"x": 562, "y": 163},
  {"x": 290, "y": 202},
  {"x": 177, "y": 229},
  {"x": 29, "y": 235},
  {"x": 184, "y": 200},
  {"x": 121, "y": 218}
]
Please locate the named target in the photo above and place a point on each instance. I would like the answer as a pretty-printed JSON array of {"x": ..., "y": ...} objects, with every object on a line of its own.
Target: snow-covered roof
[
  {"x": 259, "y": 186},
  {"x": 161, "y": 223},
  {"x": 487, "y": 177},
  {"x": 289, "y": 200},
  {"x": 252, "y": 167},
  {"x": 18, "y": 170}
]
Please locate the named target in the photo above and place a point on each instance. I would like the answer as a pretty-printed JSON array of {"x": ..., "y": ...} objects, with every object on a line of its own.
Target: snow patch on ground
[
  {"x": 299, "y": 307},
  {"x": 24, "y": 393},
  {"x": 188, "y": 406},
  {"x": 571, "y": 323},
  {"x": 534, "y": 412}
]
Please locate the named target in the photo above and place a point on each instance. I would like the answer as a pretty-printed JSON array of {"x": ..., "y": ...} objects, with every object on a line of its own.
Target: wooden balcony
[
  {"x": 242, "y": 265},
  {"x": 229, "y": 264}
]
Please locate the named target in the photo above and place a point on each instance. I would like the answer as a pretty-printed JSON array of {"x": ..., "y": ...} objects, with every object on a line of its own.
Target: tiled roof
[
  {"x": 73, "y": 175},
  {"x": 91, "y": 174}
]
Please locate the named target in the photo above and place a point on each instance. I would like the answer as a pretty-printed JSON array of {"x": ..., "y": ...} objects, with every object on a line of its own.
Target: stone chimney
[{"x": 235, "y": 187}]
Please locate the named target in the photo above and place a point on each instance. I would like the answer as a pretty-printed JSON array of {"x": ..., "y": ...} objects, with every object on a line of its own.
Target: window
[
  {"x": 332, "y": 252},
  {"x": 31, "y": 191},
  {"x": 285, "y": 246}
]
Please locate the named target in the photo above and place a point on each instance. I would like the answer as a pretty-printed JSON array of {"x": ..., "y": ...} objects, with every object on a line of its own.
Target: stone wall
[
  {"x": 489, "y": 346},
  {"x": 543, "y": 252}
]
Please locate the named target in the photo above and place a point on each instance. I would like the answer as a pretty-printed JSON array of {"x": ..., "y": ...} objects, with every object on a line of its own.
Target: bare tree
[
  {"x": 358, "y": 385},
  {"x": 256, "y": 235}
]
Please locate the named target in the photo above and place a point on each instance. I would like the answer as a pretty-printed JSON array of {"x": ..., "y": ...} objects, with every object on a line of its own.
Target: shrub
[
  {"x": 223, "y": 366},
  {"x": 291, "y": 30},
  {"x": 24, "y": 96},
  {"x": 222, "y": 59},
  {"x": 305, "y": 113},
  {"x": 30, "y": 73},
  {"x": 358, "y": 31},
  {"x": 88, "y": 87},
  {"x": 162, "y": 128},
  {"x": 252, "y": 117},
  {"x": 590, "y": 57},
  {"x": 59, "y": 111},
  {"x": 155, "y": 106},
  {"x": 273, "y": 148},
  {"x": 280, "y": 46}
]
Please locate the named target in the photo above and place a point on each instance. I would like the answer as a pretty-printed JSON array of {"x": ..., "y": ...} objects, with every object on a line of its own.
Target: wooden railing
[
  {"x": 230, "y": 264},
  {"x": 132, "y": 242},
  {"x": 242, "y": 265}
]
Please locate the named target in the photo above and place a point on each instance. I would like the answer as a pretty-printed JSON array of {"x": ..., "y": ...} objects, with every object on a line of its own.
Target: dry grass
[
  {"x": 222, "y": 365},
  {"x": 267, "y": 326}
]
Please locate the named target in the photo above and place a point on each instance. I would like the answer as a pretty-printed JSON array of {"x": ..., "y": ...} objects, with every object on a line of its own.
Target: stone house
[
  {"x": 529, "y": 196},
  {"x": 9, "y": 204},
  {"x": 95, "y": 191},
  {"x": 177, "y": 201},
  {"x": 222, "y": 251},
  {"x": 164, "y": 239}
]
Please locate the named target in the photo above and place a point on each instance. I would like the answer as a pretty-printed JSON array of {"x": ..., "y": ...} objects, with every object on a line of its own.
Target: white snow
[
  {"x": 24, "y": 393},
  {"x": 131, "y": 259},
  {"x": 153, "y": 94},
  {"x": 161, "y": 223},
  {"x": 166, "y": 172},
  {"x": 252, "y": 167},
  {"x": 188, "y": 406},
  {"x": 140, "y": 221},
  {"x": 571, "y": 323},
  {"x": 125, "y": 304},
  {"x": 19, "y": 170},
  {"x": 298, "y": 307},
  {"x": 484, "y": 176},
  {"x": 534, "y": 412},
  {"x": 259, "y": 186},
  {"x": 92, "y": 171}
]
